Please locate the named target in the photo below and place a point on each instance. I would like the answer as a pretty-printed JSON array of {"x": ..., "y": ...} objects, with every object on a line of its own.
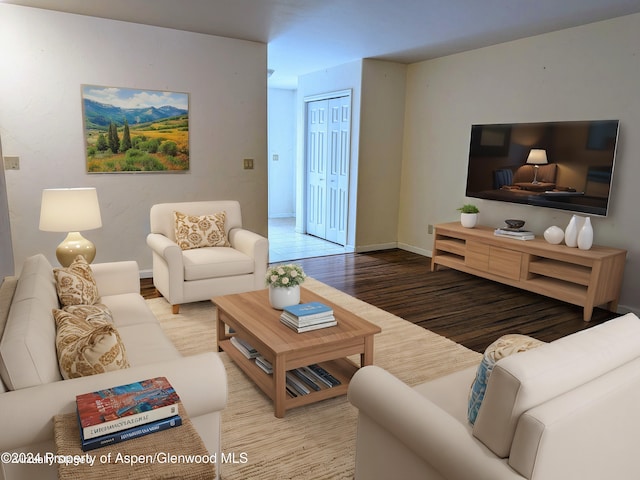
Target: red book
[{"x": 126, "y": 406}]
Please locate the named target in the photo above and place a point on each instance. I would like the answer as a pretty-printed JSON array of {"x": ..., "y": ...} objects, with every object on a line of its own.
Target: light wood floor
[{"x": 468, "y": 310}]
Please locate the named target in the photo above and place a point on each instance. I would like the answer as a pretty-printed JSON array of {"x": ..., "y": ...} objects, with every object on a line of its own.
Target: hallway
[{"x": 285, "y": 244}]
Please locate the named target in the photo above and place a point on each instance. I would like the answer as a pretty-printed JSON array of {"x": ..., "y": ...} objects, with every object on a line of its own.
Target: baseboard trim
[
  {"x": 417, "y": 250},
  {"x": 146, "y": 273}
]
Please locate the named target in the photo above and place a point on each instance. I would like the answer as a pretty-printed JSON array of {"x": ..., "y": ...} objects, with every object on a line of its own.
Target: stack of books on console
[
  {"x": 516, "y": 233},
  {"x": 127, "y": 411},
  {"x": 308, "y": 316}
]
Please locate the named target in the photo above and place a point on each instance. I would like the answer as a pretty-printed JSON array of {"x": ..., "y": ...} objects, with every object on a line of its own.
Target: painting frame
[{"x": 133, "y": 130}]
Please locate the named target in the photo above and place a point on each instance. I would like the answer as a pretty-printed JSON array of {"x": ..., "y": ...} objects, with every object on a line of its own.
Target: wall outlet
[
  {"x": 430, "y": 229},
  {"x": 248, "y": 163},
  {"x": 11, "y": 163}
]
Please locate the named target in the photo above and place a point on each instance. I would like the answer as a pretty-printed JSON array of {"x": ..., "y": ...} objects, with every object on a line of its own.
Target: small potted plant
[
  {"x": 468, "y": 215},
  {"x": 284, "y": 284}
]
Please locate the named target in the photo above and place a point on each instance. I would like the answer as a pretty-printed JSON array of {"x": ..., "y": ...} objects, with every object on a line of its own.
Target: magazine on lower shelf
[
  {"x": 130, "y": 433},
  {"x": 126, "y": 406},
  {"x": 246, "y": 349},
  {"x": 314, "y": 375}
]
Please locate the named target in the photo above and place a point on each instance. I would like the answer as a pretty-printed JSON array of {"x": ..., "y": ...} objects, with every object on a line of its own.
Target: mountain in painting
[{"x": 100, "y": 115}]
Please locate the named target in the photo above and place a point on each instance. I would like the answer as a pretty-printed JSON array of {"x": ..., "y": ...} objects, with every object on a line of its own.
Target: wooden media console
[{"x": 588, "y": 278}]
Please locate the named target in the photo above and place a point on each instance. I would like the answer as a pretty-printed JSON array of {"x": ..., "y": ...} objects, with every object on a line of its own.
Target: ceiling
[{"x": 305, "y": 36}]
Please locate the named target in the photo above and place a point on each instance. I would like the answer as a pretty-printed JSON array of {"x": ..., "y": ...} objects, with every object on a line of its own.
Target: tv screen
[{"x": 564, "y": 165}]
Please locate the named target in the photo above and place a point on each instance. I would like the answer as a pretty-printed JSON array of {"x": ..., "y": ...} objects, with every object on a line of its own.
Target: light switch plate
[{"x": 11, "y": 162}]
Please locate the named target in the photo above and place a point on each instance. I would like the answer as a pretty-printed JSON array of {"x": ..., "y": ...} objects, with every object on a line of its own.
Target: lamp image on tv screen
[{"x": 564, "y": 165}]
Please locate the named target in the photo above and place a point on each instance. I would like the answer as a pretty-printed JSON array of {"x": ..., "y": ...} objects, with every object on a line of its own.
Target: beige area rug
[{"x": 315, "y": 441}]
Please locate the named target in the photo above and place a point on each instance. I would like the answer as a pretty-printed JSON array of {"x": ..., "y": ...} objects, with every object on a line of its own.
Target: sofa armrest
[
  {"x": 115, "y": 278},
  {"x": 423, "y": 427},
  {"x": 200, "y": 380}
]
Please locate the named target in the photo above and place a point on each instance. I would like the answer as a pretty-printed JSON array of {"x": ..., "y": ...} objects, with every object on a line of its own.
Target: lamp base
[
  {"x": 72, "y": 246},
  {"x": 535, "y": 175}
]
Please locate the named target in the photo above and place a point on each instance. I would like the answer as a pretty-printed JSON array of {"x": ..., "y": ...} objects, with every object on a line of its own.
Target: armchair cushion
[
  {"x": 75, "y": 284},
  {"x": 197, "y": 231},
  {"x": 215, "y": 263}
]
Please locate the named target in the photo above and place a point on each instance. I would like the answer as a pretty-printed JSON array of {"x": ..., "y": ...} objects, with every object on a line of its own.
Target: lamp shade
[
  {"x": 69, "y": 210},
  {"x": 537, "y": 156}
]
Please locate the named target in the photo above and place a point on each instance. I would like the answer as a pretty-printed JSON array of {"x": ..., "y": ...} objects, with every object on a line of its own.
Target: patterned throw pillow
[
  {"x": 75, "y": 284},
  {"x": 501, "y": 348},
  {"x": 98, "y": 313},
  {"x": 87, "y": 347},
  {"x": 194, "y": 231}
]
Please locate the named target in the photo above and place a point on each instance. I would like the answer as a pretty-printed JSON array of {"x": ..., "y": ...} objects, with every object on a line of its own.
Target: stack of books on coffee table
[
  {"x": 125, "y": 412},
  {"x": 305, "y": 317}
]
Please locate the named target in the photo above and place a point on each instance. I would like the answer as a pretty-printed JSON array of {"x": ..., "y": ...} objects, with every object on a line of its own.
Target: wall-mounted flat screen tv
[{"x": 564, "y": 165}]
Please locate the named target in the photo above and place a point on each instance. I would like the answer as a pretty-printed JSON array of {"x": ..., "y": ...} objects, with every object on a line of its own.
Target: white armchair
[
  {"x": 184, "y": 276},
  {"x": 565, "y": 410}
]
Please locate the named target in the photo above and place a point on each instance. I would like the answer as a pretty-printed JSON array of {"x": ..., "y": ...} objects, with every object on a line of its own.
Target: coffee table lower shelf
[{"x": 342, "y": 369}]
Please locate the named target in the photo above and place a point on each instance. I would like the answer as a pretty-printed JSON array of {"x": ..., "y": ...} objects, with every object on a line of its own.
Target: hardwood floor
[{"x": 468, "y": 310}]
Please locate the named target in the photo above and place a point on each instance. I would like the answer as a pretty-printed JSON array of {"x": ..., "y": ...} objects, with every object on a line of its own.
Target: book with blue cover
[
  {"x": 128, "y": 434},
  {"x": 309, "y": 310}
]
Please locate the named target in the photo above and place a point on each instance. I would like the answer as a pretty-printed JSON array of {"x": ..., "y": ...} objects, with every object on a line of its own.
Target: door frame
[{"x": 306, "y": 100}]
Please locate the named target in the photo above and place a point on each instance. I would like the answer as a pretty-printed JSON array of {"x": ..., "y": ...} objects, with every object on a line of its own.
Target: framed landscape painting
[{"x": 129, "y": 130}]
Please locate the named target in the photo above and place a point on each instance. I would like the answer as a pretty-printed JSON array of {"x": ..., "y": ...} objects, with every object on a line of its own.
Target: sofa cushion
[
  {"x": 204, "y": 263},
  {"x": 526, "y": 380},
  {"x": 147, "y": 344},
  {"x": 88, "y": 347},
  {"x": 197, "y": 231},
  {"x": 28, "y": 346},
  {"x": 501, "y": 348},
  {"x": 128, "y": 309},
  {"x": 75, "y": 284}
]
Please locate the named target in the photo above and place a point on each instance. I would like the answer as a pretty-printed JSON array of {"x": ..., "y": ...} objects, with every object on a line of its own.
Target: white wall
[
  {"x": 588, "y": 72},
  {"x": 282, "y": 142},
  {"x": 6, "y": 249},
  {"x": 380, "y": 163},
  {"x": 48, "y": 55}
]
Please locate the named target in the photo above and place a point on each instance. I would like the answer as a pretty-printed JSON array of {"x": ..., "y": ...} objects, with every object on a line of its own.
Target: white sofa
[
  {"x": 564, "y": 410},
  {"x": 184, "y": 276},
  {"x": 32, "y": 390}
]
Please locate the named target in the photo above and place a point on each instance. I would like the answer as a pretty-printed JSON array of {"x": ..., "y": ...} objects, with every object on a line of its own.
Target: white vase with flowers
[{"x": 284, "y": 285}]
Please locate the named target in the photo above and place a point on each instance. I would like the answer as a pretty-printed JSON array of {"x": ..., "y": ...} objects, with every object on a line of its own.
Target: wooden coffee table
[{"x": 250, "y": 316}]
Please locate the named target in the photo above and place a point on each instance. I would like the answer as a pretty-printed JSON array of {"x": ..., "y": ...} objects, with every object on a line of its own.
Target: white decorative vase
[
  {"x": 572, "y": 230},
  {"x": 553, "y": 235},
  {"x": 468, "y": 220},
  {"x": 281, "y": 297},
  {"x": 585, "y": 236}
]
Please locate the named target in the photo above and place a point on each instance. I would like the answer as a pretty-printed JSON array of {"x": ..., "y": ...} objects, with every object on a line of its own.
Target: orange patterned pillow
[
  {"x": 75, "y": 284},
  {"x": 193, "y": 231}
]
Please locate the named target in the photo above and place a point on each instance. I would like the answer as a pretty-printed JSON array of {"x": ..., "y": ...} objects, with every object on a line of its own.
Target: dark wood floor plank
[{"x": 467, "y": 309}]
